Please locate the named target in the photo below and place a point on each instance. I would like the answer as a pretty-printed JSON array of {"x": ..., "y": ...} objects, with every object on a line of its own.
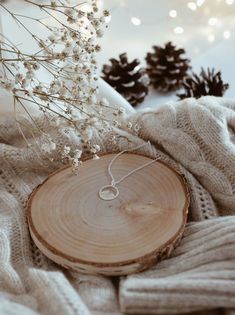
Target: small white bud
[
  {"x": 77, "y": 154},
  {"x": 129, "y": 125}
]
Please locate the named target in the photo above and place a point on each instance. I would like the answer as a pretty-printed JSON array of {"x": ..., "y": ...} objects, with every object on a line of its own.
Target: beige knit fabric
[
  {"x": 200, "y": 274},
  {"x": 197, "y": 137}
]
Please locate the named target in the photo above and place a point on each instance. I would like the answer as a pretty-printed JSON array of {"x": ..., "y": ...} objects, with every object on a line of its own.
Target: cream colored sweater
[{"x": 198, "y": 137}]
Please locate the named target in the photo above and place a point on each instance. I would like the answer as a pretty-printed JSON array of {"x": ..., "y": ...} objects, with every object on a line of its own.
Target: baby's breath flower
[
  {"x": 52, "y": 38},
  {"x": 70, "y": 12},
  {"x": 113, "y": 140},
  {"x": 36, "y": 66},
  {"x": 18, "y": 78},
  {"x": 38, "y": 89},
  {"x": 119, "y": 111},
  {"x": 99, "y": 33},
  {"x": 106, "y": 13},
  {"x": 97, "y": 48},
  {"x": 30, "y": 74},
  {"x": 25, "y": 83},
  {"x": 129, "y": 125},
  {"x": 95, "y": 148},
  {"x": 80, "y": 14},
  {"x": 116, "y": 123},
  {"x": 77, "y": 154},
  {"x": 104, "y": 102},
  {"x": 53, "y": 146},
  {"x": 88, "y": 134},
  {"x": 63, "y": 91},
  {"x": 71, "y": 20},
  {"x": 27, "y": 65},
  {"x": 67, "y": 54},
  {"x": 48, "y": 146},
  {"x": 136, "y": 128},
  {"x": 66, "y": 151},
  {"x": 9, "y": 85}
]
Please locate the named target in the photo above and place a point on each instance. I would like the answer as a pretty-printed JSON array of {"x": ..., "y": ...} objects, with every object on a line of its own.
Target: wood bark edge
[{"x": 144, "y": 262}]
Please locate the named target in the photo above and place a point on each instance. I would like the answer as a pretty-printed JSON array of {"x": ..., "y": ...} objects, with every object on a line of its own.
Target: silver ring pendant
[{"x": 108, "y": 192}]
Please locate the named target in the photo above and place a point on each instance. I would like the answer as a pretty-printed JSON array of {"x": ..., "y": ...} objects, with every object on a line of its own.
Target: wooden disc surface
[{"x": 74, "y": 227}]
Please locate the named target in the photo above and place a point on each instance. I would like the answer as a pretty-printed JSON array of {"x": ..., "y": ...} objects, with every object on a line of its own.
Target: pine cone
[
  {"x": 207, "y": 83},
  {"x": 128, "y": 79},
  {"x": 166, "y": 67}
]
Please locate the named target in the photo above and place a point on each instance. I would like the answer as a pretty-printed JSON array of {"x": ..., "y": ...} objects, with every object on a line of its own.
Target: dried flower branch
[{"x": 68, "y": 57}]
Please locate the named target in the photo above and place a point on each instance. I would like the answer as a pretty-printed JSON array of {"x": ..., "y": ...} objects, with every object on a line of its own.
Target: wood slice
[{"x": 72, "y": 226}]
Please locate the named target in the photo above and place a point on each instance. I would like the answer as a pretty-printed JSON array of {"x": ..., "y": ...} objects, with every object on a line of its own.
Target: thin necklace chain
[{"x": 115, "y": 182}]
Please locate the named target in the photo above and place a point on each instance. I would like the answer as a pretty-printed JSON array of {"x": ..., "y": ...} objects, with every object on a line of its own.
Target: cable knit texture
[{"x": 195, "y": 136}]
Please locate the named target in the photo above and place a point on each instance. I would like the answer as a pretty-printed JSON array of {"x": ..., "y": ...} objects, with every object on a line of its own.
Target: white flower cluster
[
  {"x": 68, "y": 55},
  {"x": 74, "y": 158}
]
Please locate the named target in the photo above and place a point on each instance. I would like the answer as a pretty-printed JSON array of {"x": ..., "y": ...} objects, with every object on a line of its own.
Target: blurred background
[{"x": 204, "y": 28}]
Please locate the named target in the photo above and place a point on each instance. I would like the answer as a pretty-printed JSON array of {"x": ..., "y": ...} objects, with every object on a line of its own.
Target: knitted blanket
[{"x": 197, "y": 137}]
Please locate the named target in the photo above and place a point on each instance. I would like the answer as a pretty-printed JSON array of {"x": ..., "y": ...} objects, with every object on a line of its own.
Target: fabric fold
[
  {"x": 200, "y": 274},
  {"x": 197, "y": 137}
]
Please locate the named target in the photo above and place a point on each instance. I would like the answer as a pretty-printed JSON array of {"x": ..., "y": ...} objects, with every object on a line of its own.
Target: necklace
[{"x": 111, "y": 192}]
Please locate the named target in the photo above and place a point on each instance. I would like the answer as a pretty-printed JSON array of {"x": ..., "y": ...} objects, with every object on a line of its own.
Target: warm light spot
[
  {"x": 211, "y": 38},
  {"x": 173, "y": 13},
  {"x": 229, "y": 2},
  {"x": 212, "y": 21},
  {"x": 192, "y": 6},
  {"x": 136, "y": 21},
  {"x": 179, "y": 30},
  {"x": 227, "y": 34}
]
